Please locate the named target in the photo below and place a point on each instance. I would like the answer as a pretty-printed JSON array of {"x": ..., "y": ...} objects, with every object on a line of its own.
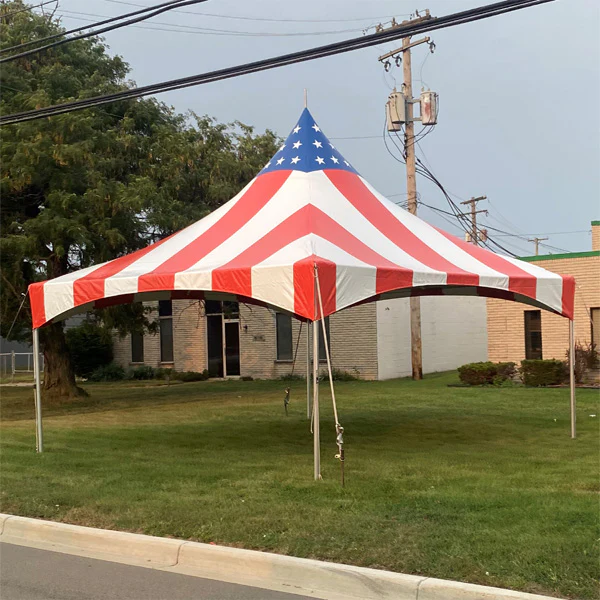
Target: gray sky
[{"x": 519, "y": 96}]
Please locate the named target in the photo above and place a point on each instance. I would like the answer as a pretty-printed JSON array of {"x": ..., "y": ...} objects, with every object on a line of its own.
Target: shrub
[
  {"x": 143, "y": 372},
  {"x": 187, "y": 376},
  {"x": 340, "y": 375},
  {"x": 247, "y": 378},
  {"x": 487, "y": 373},
  {"x": 162, "y": 373},
  {"x": 290, "y": 377},
  {"x": 586, "y": 357},
  {"x": 90, "y": 347},
  {"x": 544, "y": 372},
  {"x": 109, "y": 372}
]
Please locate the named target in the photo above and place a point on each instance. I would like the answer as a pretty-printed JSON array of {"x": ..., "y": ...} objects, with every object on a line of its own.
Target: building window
[
  {"x": 165, "y": 317},
  {"x": 137, "y": 347},
  {"x": 322, "y": 355},
  {"x": 283, "y": 324},
  {"x": 533, "y": 334}
]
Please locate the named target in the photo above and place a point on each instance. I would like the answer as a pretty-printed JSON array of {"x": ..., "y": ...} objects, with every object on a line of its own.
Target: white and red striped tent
[
  {"x": 307, "y": 222},
  {"x": 307, "y": 208}
]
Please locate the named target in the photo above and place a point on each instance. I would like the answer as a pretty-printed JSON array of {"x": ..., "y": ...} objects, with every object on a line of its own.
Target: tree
[{"x": 88, "y": 186}]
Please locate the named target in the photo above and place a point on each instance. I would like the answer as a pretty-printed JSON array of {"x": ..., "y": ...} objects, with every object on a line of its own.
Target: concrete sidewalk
[{"x": 310, "y": 578}]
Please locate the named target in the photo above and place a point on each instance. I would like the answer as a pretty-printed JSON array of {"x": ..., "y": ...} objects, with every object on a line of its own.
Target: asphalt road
[{"x": 32, "y": 574}]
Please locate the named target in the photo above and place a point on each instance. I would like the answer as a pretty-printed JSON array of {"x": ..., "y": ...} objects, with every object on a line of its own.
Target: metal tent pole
[
  {"x": 308, "y": 370},
  {"x": 39, "y": 434},
  {"x": 572, "y": 378},
  {"x": 315, "y": 411}
]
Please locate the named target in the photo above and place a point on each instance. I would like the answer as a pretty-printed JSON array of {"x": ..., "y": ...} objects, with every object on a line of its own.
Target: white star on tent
[
  {"x": 332, "y": 145},
  {"x": 346, "y": 163},
  {"x": 268, "y": 165},
  {"x": 317, "y": 144},
  {"x": 319, "y": 160},
  {"x": 315, "y": 127},
  {"x": 282, "y": 147},
  {"x": 297, "y": 129},
  {"x": 335, "y": 160},
  {"x": 295, "y": 159},
  {"x": 280, "y": 160},
  {"x": 297, "y": 144}
]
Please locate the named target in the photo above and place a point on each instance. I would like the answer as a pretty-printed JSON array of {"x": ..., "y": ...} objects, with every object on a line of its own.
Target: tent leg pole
[
  {"x": 39, "y": 435},
  {"x": 308, "y": 370},
  {"x": 316, "y": 434},
  {"x": 572, "y": 378}
]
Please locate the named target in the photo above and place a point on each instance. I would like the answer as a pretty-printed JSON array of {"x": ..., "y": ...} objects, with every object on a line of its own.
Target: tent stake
[
  {"x": 572, "y": 377},
  {"x": 39, "y": 434}
]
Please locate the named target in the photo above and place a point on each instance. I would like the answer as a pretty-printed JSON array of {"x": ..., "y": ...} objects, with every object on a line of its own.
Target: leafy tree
[{"x": 88, "y": 186}]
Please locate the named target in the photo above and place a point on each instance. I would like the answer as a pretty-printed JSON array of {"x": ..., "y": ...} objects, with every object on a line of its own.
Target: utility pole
[
  {"x": 476, "y": 236},
  {"x": 536, "y": 241},
  {"x": 404, "y": 113}
]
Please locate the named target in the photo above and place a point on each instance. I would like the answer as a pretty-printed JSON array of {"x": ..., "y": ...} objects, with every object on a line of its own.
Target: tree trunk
[{"x": 59, "y": 377}]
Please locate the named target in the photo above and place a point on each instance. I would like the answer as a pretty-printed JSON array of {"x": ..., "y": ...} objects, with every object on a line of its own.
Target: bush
[
  {"x": 109, "y": 372},
  {"x": 187, "y": 376},
  {"x": 586, "y": 358},
  {"x": 143, "y": 372},
  {"x": 90, "y": 347},
  {"x": 162, "y": 373},
  {"x": 290, "y": 377},
  {"x": 487, "y": 373},
  {"x": 340, "y": 375},
  {"x": 544, "y": 372}
]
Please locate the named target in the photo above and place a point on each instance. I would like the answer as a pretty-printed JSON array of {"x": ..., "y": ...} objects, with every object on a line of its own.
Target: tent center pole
[
  {"x": 308, "y": 370},
  {"x": 315, "y": 411},
  {"x": 572, "y": 378},
  {"x": 39, "y": 434}
]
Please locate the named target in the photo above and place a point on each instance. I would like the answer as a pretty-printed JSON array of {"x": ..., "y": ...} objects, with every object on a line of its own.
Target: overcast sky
[{"x": 519, "y": 96}]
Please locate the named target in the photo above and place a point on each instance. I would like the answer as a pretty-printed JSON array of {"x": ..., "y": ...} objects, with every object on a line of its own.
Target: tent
[{"x": 308, "y": 235}]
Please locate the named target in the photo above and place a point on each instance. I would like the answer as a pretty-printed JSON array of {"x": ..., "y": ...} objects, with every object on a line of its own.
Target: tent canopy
[{"x": 307, "y": 210}]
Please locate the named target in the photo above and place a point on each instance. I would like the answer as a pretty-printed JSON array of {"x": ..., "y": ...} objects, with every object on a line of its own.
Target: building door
[
  {"x": 595, "y": 314},
  {"x": 223, "y": 338}
]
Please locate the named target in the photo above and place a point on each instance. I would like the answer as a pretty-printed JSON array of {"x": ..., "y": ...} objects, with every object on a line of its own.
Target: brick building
[
  {"x": 371, "y": 341},
  {"x": 517, "y": 331}
]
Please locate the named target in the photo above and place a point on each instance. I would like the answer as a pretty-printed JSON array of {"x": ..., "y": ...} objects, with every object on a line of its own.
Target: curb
[{"x": 328, "y": 581}]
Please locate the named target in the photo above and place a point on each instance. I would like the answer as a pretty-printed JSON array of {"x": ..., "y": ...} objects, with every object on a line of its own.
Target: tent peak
[{"x": 307, "y": 149}]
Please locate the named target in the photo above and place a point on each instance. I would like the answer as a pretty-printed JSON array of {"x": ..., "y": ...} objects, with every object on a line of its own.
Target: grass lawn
[{"x": 481, "y": 485}]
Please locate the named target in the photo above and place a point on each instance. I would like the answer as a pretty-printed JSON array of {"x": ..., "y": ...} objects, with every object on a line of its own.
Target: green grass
[{"x": 475, "y": 484}]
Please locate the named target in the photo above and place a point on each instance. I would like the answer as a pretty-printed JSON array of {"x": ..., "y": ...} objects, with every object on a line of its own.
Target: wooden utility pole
[
  {"x": 536, "y": 241},
  {"x": 416, "y": 347},
  {"x": 475, "y": 235}
]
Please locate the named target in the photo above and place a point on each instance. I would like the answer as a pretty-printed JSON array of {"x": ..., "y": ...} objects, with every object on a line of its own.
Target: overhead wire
[
  {"x": 466, "y": 16},
  {"x": 27, "y": 8},
  {"x": 140, "y": 15},
  {"x": 265, "y": 19},
  {"x": 181, "y": 28}
]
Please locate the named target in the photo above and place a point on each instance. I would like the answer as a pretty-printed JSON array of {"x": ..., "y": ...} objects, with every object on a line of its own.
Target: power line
[
  {"x": 157, "y": 10},
  {"x": 242, "y": 18},
  {"x": 180, "y": 28},
  {"x": 27, "y": 8},
  {"x": 466, "y": 16}
]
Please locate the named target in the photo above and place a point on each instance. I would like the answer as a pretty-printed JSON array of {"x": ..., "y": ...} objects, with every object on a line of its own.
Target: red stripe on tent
[
  {"x": 568, "y": 296},
  {"x": 38, "y": 306},
  {"x": 235, "y": 276},
  {"x": 519, "y": 281},
  {"x": 257, "y": 195},
  {"x": 359, "y": 195},
  {"x": 327, "y": 272},
  {"x": 91, "y": 286},
  {"x": 304, "y": 287}
]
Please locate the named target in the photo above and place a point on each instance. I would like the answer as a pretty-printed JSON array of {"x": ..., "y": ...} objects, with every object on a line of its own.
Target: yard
[{"x": 480, "y": 484}]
